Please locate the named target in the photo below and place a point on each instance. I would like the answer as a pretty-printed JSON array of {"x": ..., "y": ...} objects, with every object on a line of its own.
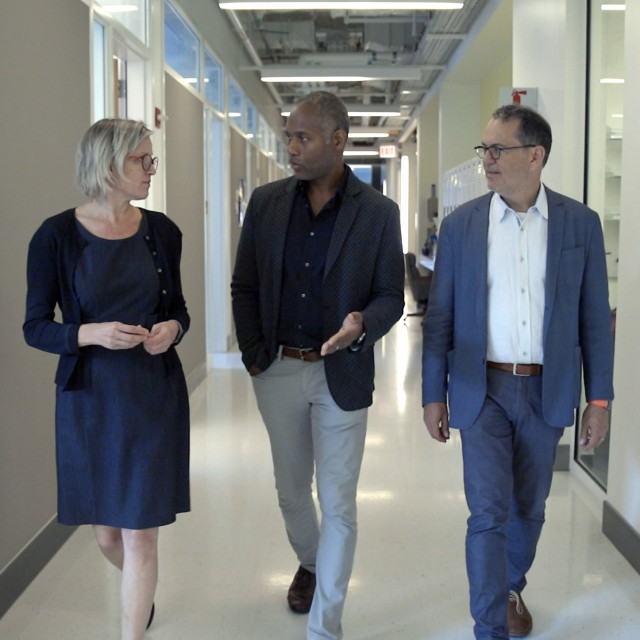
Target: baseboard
[
  {"x": 19, "y": 573},
  {"x": 623, "y": 536},
  {"x": 563, "y": 456},
  {"x": 196, "y": 376}
]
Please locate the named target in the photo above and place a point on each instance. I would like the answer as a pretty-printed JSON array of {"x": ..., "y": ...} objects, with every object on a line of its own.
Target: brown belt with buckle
[
  {"x": 306, "y": 355},
  {"x": 517, "y": 369}
]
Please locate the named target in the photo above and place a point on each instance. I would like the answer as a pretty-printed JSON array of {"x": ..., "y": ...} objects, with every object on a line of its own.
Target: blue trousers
[{"x": 508, "y": 454}]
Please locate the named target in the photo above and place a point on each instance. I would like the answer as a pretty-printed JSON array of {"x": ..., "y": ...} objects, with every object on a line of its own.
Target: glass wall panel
[{"x": 604, "y": 176}]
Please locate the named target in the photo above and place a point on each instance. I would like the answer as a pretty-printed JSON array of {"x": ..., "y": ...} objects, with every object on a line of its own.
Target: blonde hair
[{"x": 102, "y": 151}]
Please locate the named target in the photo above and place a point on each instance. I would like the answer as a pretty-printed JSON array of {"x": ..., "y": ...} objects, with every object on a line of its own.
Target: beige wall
[
  {"x": 185, "y": 206},
  {"x": 43, "y": 63}
]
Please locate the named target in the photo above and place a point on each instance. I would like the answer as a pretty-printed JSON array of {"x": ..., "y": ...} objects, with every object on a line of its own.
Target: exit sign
[{"x": 388, "y": 151}]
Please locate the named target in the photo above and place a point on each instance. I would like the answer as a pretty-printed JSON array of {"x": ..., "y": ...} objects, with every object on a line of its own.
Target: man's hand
[
  {"x": 436, "y": 419},
  {"x": 594, "y": 427},
  {"x": 351, "y": 330}
]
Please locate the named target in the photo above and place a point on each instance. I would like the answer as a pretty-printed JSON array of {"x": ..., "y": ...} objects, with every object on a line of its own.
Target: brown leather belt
[
  {"x": 306, "y": 355},
  {"x": 517, "y": 369}
]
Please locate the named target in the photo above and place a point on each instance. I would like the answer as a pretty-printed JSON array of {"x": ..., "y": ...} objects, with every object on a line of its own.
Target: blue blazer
[
  {"x": 364, "y": 272},
  {"x": 577, "y": 334}
]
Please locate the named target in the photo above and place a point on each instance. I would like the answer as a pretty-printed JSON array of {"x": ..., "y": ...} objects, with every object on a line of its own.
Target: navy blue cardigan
[{"x": 54, "y": 252}]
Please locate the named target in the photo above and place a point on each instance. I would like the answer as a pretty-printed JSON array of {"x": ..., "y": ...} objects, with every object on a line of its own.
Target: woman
[{"x": 122, "y": 409}]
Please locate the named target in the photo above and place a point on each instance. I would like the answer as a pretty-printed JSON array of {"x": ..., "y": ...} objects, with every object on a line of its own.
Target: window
[
  {"x": 132, "y": 14},
  {"x": 252, "y": 120},
  {"x": 213, "y": 81},
  {"x": 181, "y": 46},
  {"x": 99, "y": 81},
  {"x": 236, "y": 105}
]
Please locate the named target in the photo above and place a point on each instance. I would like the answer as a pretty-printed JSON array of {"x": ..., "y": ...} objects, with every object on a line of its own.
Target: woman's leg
[
  {"x": 110, "y": 543},
  {"x": 139, "y": 579}
]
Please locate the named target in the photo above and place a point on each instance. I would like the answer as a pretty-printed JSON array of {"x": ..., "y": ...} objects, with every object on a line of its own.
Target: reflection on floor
[{"x": 225, "y": 567}]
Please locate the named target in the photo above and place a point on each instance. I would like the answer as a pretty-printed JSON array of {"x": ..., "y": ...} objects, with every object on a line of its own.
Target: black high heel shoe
[{"x": 153, "y": 613}]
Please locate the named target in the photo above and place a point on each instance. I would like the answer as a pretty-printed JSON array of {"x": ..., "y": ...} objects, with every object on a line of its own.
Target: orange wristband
[{"x": 600, "y": 403}]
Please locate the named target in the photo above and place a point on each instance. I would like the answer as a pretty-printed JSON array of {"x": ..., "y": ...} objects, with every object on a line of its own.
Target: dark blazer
[
  {"x": 577, "y": 332},
  {"x": 364, "y": 272},
  {"x": 54, "y": 252}
]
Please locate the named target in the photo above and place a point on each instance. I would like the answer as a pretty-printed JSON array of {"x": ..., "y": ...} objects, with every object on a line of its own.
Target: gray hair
[
  {"x": 102, "y": 151},
  {"x": 331, "y": 108}
]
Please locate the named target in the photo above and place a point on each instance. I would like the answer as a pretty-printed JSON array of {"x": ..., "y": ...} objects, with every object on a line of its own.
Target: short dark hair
[
  {"x": 534, "y": 129},
  {"x": 330, "y": 107}
]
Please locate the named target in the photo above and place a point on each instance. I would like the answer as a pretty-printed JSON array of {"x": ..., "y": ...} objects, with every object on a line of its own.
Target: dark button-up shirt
[{"x": 305, "y": 256}]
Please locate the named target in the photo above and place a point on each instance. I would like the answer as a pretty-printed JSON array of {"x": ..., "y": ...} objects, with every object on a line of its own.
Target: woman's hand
[
  {"x": 161, "y": 337},
  {"x": 111, "y": 335}
]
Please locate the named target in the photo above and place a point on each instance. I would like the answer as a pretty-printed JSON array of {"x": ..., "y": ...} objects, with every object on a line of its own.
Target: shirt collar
[
  {"x": 499, "y": 208},
  {"x": 303, "y": 185}
]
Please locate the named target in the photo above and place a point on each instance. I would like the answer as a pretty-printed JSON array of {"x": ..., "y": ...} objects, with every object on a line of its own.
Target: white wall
[
  {"x": 624, "y": 462},
  {"x": 548, "y": 54},
  {"x": 557, "y": 69}
]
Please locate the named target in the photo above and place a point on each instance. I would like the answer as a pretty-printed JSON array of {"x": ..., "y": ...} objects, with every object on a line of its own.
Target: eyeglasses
[
  {"x": 495, "y": 150},
  {"x": 146, "y": 161}
]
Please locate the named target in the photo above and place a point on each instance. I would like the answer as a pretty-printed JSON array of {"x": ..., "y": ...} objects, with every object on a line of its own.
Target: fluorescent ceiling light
[
  {"x": 361, "y": 110},
  {"x": 306, "y": 73},
  {"x": 611, "y": 80},
  {"x": 119, "y": 8},
  {"x": 361, "y": 154},
  {"x": 613, "y": 7},
  {"x": 370, "y": 134},
  {"x": 358, "y": 5},
  {"x": 302, "y": 78}
]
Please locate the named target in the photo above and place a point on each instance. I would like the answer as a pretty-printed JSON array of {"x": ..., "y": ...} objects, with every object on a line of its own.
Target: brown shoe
[
  {"x": 518, "y": 616},
  {"x": 301, "y": 591}
]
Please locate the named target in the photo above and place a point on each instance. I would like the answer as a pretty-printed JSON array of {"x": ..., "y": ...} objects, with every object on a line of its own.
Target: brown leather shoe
[
  {"x": 518, "y": 616},
  {"x": 301, "y": 591}
]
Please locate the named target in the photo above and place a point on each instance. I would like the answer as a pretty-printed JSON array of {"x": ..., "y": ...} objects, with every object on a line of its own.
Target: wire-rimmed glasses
[{"x": 146, "y": 160}]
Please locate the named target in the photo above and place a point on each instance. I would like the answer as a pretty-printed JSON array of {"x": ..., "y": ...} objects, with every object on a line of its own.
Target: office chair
[{"x": 418, "y": 284}]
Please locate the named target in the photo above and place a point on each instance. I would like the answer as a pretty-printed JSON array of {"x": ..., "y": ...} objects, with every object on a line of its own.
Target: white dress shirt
[{"x": 517, "y": 252}]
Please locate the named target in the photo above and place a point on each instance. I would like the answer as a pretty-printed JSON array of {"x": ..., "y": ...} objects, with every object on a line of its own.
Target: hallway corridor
[{"x": 226, "y": 566}]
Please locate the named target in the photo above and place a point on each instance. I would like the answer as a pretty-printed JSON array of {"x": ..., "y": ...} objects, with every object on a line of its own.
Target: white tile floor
[{"x": 225, "y": 567}]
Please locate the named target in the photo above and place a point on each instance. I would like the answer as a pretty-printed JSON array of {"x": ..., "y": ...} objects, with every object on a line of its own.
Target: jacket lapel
[
  {"x": 479, "y": 231},
  {"x": 346, "y": 216},
  {"x": 279, "y": 224},
  {"x": 557, "y": 216}
]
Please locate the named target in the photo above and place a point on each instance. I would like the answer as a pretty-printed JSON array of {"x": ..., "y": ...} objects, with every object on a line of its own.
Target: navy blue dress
[{"x": 122, "y": 442}]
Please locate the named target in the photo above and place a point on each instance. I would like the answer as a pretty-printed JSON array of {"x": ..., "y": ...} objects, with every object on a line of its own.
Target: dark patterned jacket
[{"x": 364, "y": 272}]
